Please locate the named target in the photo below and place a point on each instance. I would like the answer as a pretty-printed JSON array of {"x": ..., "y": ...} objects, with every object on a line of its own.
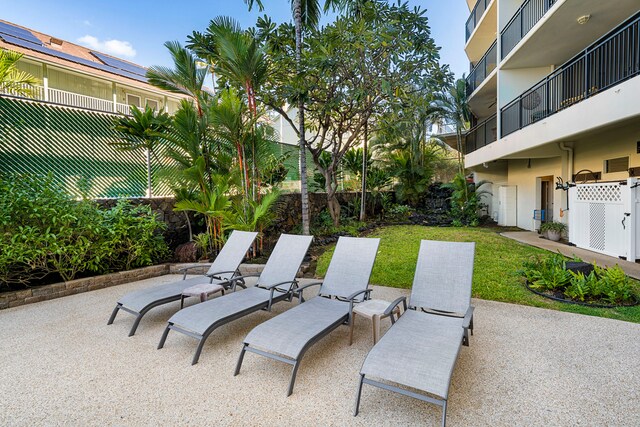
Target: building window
[
  {"x": 153, "y": 104},
  {"x": 620, "y": 164},
  {"x": 134, "y": 100}
]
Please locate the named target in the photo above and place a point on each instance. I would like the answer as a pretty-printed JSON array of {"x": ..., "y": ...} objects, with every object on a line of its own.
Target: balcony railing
[
  {"x": 478, "y": 10},
  {"x": 609, "y": 61},
  {"x": 482, "y": 134},
  {"x": 519, "y": 25},
  {"x": 71, "y": 99},
  {"x": 483, "y": 68}
]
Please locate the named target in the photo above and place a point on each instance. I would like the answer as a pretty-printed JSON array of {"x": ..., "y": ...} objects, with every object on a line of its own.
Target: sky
[{"x": 136, "y": 30}]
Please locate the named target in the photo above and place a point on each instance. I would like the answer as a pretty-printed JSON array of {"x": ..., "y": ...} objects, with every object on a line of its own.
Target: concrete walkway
[
  {"x": 531, "y": 238},
  {"x": 62, "y": 365}
]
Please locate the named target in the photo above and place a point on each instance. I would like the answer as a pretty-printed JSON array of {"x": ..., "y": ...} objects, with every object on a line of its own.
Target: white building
[{"x": 554, "y": 87}]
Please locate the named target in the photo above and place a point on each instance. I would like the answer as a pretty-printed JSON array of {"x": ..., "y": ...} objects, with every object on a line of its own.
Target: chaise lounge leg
[
  {"x": 135, "y": 324},
  {"x": 240, "y": 359},
  {"x": 113, "y": 314},
  {"x": 293, "y": 377},
  {"x": 196, "y": 356},
  {"x": 164, "y": 337},
  {"x": 357, "y": 408},
  {"x": 444, "y": 414}
]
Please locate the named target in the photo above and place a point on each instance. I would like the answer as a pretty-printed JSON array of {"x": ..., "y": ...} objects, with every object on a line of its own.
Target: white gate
[{"x": 603, "y": 218}]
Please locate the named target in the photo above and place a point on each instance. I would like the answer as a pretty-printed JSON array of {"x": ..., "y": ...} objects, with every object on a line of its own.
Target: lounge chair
[
  {"x": 421, "y": 348},
  {"x": 276, "y": 283},
  {"x": 224, "y": 267},
  {"x": 289, "y": 335}
]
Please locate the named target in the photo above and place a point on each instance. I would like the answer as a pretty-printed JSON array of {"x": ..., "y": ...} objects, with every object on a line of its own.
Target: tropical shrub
[
  {"x": 602, "y": 285},
  {"x": 43, "y": 231},
  {"x": 466, "y": 200}
]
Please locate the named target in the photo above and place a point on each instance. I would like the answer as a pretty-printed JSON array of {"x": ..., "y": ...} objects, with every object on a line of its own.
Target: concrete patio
[{"x": 62, "y": 365}]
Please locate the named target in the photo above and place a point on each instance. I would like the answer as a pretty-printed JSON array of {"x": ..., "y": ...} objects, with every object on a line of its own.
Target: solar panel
[
  {"x": 19, "y": 33},
  {"x": 42, "y": 49},
  {"x": 122, "y": 65}
]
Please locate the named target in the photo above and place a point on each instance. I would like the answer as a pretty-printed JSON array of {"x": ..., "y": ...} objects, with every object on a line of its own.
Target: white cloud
[
  {"x": 86, "y": 23},
  {"x": 114, "y": 47}
]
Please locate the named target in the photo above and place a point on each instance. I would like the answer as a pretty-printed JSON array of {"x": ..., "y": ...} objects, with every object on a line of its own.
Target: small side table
[
  {"x": 374, "y": 310},
  {"x": 203, "y": 290}
]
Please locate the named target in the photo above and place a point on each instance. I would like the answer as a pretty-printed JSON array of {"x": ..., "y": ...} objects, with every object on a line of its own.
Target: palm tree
[
  {"x": 455, "y": 107},
  {"x": 238, "y": 57},
  {"x": 13, "y": 80},
  {"x": 143, "y": 130},
  {"x": 187, "y": 78}
]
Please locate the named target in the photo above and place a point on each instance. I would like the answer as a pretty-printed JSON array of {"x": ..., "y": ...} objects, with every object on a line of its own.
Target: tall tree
[
  {"x": 306, "y": 15},
  {"x": 455, "y": 108},
  {"x": 13, "y": 80},
  {"x": 356, "y": 70}
]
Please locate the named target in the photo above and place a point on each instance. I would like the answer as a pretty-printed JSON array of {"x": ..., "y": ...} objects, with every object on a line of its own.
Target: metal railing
[
  {"x": 521, "y": 23},
  {"x": 482, "y": 69},
  {"x": 478, "y": 10},
  {"x": 482, "y": 134},
  {"x": 607, "y": 62}
]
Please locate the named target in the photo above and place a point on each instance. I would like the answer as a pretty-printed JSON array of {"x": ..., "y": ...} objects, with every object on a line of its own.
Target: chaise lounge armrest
[
  {"x": 186, "y": 269},
  {"x": 393, "y": 305},
  {"x": 234, "y": 280},
  {"x": 298, "y": 292},
  {"x": 467, "y": 324},
  {"x": 352, "y": 298}
]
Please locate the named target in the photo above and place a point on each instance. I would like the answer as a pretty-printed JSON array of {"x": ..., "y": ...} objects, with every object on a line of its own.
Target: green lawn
[{"x": 496, "y": 262}]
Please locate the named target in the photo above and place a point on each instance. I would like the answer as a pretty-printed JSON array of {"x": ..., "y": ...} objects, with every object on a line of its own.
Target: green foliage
[
  {"x": 43, "y": 231},
  {"x": 558, "y": 227},
  {"x": 13, "y": 80},
  {"x": 399, "y": 212},
  {"x": 602, "y": 285},
  {"x": 497, "y": 261},
  {"x": 466, "y": 200}
]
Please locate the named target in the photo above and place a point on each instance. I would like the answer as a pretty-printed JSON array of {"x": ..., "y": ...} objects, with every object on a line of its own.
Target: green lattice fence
[{"x": 75, "y": 144}]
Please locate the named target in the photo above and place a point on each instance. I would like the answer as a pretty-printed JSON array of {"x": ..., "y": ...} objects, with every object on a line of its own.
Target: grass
[{"x": 495, "y": 272}]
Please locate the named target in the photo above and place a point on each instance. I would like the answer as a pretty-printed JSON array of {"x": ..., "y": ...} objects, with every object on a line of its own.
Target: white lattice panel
[
  {"x": 599, "y": 193},
  {"x": 596, "y": 217}
]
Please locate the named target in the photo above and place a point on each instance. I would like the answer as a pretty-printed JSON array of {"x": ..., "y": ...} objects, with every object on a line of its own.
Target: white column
[
  {"x": 45, "y": 81},
  {"x": 114, "y": 93}
]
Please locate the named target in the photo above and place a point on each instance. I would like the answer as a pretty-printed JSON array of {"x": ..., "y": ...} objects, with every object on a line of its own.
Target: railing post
[
  {"x": 586, "y": 75},
  {"x": 45, "y": 81},
  {"x": 114, "y": 94}
]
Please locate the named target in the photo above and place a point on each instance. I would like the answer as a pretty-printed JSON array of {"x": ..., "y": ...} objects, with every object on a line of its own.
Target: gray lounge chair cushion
[
  {"x": 285, "y": 259},
  {"x": 138, "y": 300},
  {"x": 198, "y": 318},
  {"x": 419, "y": 351},
  {"x": 443, "y": 276},
  {"x": 350, "y": 267},
  {"x": 288, "y": 333},
  {"x": 232, "y": 253}
]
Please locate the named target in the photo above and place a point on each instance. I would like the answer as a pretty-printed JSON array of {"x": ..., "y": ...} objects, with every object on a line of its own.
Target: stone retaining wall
[{"x": 57, "y": 290}]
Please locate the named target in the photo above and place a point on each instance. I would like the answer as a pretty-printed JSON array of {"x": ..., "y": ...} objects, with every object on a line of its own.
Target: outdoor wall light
[{"x": 583, "y": 19}]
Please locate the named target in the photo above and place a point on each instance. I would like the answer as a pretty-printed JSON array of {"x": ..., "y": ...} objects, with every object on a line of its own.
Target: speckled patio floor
[{"x": 62, "y": 365}]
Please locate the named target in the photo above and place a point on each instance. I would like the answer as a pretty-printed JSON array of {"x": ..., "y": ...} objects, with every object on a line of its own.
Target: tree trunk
[
  {"x": 149, "y": 189},
  {"x": 297, "y": 17},
  {"x": 363, "y": 202},
  {"x": 334, "y": 208}
]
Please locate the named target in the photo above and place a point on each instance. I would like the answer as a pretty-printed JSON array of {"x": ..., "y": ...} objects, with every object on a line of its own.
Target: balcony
[
  {"x": 608, "y": 62},
  {"x": 522, "y": 22},
  {"x": 482, "y": 69},
  {"x": 478, "y": 10},
  {"x": 482, "y": 134},
  {"x": 70, "y": 99}
]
